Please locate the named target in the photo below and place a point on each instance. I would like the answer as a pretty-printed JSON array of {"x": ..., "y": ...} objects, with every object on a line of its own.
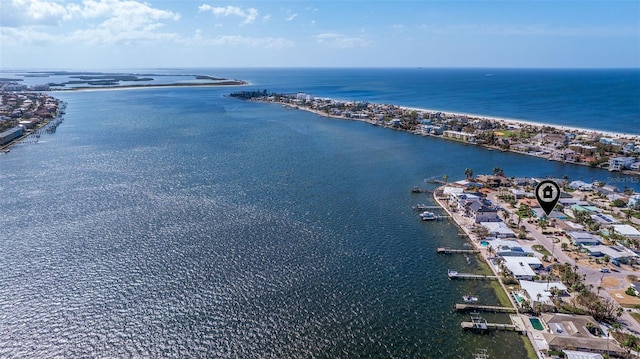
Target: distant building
[
  {"x": 620, "y": 163},
  {"x": 469, "y": 137},
  {"x": 634, "y": 201},
  {"x": 10, "y": 135}
]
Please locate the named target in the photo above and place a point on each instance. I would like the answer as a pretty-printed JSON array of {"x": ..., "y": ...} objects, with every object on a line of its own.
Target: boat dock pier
[
  {"x": 455, "y": 275},
  {"x": 480, "y": 324},
  {"x": 447, "y": 250},
  {"x": 485, "y": 308}
]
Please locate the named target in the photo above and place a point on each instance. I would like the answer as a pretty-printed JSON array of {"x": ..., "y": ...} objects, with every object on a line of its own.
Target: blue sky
[{"x": 111, "y": 34}]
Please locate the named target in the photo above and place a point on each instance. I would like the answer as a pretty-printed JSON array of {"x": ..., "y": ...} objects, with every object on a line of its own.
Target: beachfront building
[{"x": 620, "y": 163}]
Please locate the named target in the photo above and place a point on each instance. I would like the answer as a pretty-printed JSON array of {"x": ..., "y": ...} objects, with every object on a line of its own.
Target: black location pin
[{"x": 547, "y": 194}]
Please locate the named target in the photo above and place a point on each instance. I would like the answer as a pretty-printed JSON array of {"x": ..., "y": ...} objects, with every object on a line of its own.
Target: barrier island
[{"x": 588, "y": 147}]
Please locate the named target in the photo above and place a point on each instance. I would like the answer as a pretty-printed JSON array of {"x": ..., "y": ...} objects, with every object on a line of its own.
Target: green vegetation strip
[{"x": 540, "y": 249}]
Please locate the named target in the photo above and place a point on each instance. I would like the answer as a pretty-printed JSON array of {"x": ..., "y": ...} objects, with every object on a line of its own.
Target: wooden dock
[
  {"x": 460, "y": 307},
  {"x": 480, "y": 324},
  {"x": 447, "y": 250},
  {"x": 455, "y": 275}
]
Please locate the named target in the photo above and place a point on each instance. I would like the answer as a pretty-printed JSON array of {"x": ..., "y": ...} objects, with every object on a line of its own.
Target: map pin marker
[{"x": 547, "y": 194}]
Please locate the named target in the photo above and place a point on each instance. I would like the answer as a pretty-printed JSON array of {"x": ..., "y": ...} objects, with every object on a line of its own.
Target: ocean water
[
  {"x": 180, "y": 223},
  {"x": 603, "y": 99}
]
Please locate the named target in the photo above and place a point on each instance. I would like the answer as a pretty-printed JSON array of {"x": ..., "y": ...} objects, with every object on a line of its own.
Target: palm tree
[
  {"x": 468, "y": 173},
  {"x": 497, "y": 171}
]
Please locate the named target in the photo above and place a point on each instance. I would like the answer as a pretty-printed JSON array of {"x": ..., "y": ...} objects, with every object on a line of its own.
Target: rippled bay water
[{"x": 177, "y": 223}]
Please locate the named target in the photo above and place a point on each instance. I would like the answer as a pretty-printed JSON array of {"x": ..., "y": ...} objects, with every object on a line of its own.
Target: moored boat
[
  {"x": 469, "y": 298},
  {"x": 427, "y": 216}
]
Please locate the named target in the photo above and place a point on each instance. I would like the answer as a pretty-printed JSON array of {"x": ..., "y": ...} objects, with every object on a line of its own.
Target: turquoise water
[
  {"x": 484, "y": 243},
  {"x": 519, "y": 299},
  {"x": 181, "y": 223},
  {"x": 535, "y": 322}
]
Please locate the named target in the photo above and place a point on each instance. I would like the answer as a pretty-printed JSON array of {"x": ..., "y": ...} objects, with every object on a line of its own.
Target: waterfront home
[
  {"x": 460, "y": 200},
  {"x": 458, "y": 135},
  {"x": 498, "y": 229},
  {"x": 620, "y": 163},
  {"x": 493, "y": 181},
  {"x": 506, "y": 248},
  {"x": 568, "y": 331},
  {"x": 480, "y": 212},
  {"x": 542, "y": 293},
  {"x": 522, "y": 268}
]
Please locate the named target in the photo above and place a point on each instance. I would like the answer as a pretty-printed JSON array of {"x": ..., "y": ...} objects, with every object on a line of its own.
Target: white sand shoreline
[{"x": 514, "y": 121}]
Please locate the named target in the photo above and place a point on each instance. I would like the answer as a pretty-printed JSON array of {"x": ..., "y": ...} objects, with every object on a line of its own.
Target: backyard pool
[
  {"x": 519, "y": 299},
  {"x": 537, "y": 324}
]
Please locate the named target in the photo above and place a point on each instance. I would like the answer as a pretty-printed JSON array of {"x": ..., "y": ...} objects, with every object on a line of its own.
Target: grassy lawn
[{"x": 540, "y": 249}]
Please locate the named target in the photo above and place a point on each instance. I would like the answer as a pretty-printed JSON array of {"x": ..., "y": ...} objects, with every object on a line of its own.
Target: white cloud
[
  {"x": 249, "y": 15},
  {"x": 116, "y": 21},
  {"x": 340, "y": 40},
  {"x": 18, "y": 13},
  {"x": 238, "y": 40},
  {"x": 293, "y": 16}
]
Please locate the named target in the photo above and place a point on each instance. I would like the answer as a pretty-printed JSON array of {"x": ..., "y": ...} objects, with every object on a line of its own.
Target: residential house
[
  {"x": 584, "y": 239},
  {"x": 498, "y": 229},
  {"x": 522, "y": 267},
  {"x": 541, "y": 292},
  {"x": 480, "y": 212},
  {"x": 567, "y": 331},
  {"x": 620, "y": 163},
  {"x": 619, "y": 253}
]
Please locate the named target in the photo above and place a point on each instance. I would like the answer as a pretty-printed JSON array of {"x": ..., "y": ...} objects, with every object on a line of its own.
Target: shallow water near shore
[{"x": 181, "y": 223}]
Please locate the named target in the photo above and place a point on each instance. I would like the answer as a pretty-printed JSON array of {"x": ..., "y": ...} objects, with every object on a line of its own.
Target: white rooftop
[
  {"x": 626, "y": 230},
  {"x": 499, "y": 228},
  {"x": 542, "y": 288}
]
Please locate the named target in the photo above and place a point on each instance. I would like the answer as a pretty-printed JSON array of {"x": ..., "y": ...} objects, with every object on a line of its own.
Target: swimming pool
[
  {"x": 484, "y": 243},
  {"x": 519, "y": 299},
  {"x": 537, "y": 324}
]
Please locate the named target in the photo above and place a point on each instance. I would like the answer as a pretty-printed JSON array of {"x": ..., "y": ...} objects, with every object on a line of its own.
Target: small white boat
[
  {"x": 469, "y": 298},
  {"x": 427, "y": 216}
]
